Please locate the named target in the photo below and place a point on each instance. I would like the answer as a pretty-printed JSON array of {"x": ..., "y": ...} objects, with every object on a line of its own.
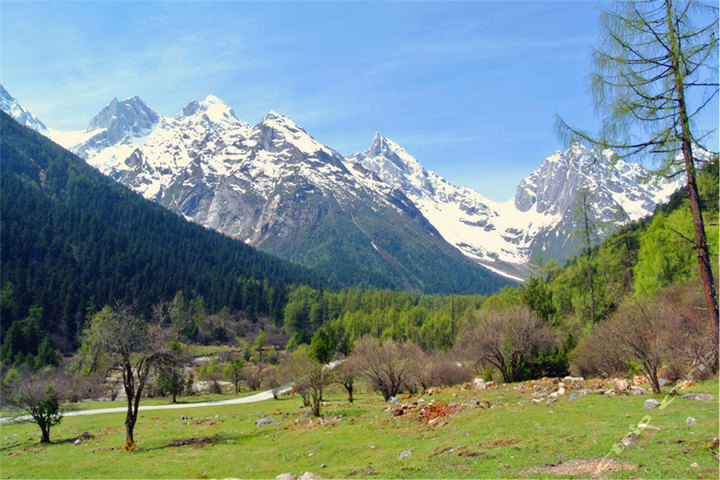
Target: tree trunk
[
  {"x": 130, "y": 419},
  {"x": 45, "y": 434}
]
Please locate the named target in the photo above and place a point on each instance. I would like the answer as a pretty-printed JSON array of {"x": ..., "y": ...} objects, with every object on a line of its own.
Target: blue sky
[{"x": 468, "y": 88}]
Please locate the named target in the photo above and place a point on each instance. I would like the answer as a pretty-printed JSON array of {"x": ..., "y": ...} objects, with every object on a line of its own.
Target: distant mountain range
[{"x": 375, "y": 218}]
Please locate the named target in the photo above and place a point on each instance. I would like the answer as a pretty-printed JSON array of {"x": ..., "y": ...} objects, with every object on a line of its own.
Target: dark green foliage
[
  {"x": 537, "y": 296},
  {"x": 323, "y": 345},
  {"x": 73, "y": 240},
  {"x": 428, "y": 320},
  {"x": 48, "y": 355}
]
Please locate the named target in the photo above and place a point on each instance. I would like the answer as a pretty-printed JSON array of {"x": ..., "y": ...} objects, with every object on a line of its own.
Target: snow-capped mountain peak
[
  {"x": 11, "y": 106},
  {"x": 279, "y": 132},
  {"x": 129, "y": 117},
  {"x": 212, "y": 109}
]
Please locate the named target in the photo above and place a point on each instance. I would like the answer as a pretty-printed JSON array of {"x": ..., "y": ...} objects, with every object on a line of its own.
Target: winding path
[{"x": 258, "y": 397}]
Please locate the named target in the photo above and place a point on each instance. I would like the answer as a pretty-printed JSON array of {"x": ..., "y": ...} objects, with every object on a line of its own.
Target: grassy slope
[{"x": 502, "y": 442}]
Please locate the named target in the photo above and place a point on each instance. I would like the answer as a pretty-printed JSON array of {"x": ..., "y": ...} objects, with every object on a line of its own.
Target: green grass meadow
[{"x": 516, "y": 439}]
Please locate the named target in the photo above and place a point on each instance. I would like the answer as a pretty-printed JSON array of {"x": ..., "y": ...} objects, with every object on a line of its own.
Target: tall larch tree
[{"x": 655, "y": 72}]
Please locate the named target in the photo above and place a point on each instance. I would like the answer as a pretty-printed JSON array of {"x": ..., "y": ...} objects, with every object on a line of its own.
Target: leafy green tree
[
  {"x": 260, "y": 343},
  {"x": 233, "y": 370},
  {"x": 323, "y": 345},
  {"x": 170, "y": 378},
  {"x": 119, "y": 340},
  {"x": 655, "y": 72},
  {"x": 537, "y": 296}
]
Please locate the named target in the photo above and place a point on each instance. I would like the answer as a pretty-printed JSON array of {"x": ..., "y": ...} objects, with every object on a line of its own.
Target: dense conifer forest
[{"x": 73, "y": 241}]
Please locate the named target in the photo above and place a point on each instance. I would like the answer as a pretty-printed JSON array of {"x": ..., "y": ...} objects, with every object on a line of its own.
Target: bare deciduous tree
[
  {"x": 505, "y": 340},
  {"x": 36, "y": 396},
  {"x": 309, "y": 376},
  {"x": 387, "y": 364}
]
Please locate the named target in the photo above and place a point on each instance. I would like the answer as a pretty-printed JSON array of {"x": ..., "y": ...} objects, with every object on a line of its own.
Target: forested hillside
[{"x": 73, "y": 241}]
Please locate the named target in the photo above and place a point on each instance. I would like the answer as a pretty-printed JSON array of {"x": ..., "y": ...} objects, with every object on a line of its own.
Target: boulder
[
  {"x": 573, "y": 379},
  {"x": 690, "y": 421},
  {"x": 701, "y": 397},
  {"x": 479, "y": 384},
  {"x": 265, "y": 421},
  {"x": 651, "y": 403},
  {"x": 621, "y": 385},
  {"x": 308, "y": 476}
]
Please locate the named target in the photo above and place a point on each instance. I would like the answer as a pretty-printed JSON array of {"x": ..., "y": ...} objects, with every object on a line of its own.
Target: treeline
[
  {"x": 430, "y": 321},
  {"x": 73, "y": 241},
  {"x": 534, "y": 329}
]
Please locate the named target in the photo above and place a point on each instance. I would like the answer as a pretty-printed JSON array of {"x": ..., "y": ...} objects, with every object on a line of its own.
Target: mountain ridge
[{"x": 223, "y": 173}]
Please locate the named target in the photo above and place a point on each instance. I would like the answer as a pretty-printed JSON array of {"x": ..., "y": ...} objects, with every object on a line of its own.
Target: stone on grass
[
  {"x": 308, "y": 476},
  {"x": 265, "y": 421},
  {"x": 407, "y": 453},
  {"x": 621, "y": 385},
  {"x": 572, "y": 397},
  {"x": 286, "y": 476},
  {"x": 662, "y": 382},
  {"x": 701, "y": 397},
  {"x": 478, "y": 384},
  {"x": 630, "y": 439},
  {"x": 651, "y": 403},
  {"x": 690, "y": 421}
]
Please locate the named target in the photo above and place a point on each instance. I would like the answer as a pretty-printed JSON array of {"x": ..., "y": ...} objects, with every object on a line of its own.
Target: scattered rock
[
  {"x": 479, "y": 384},
  {"x": 308, "y": 476},
  {"x": 265, "y": 421},
  {"x": 572, "y": 397},
  {"x": 694, "y": 465},
  {"x": 407, "y": 453},
  {"x": 647, "y": 426},
  {"x": 636, "y": 391},
  {"x": 85, "y": 435},
  {"x": 662, "y": 382},
  {"x": 690, "y": 421},
  {"x": 323, "y": 465},
  {"x": 701, "y": 397},
  {"x": 78, "y": 441},
  {"x": 392, "y": 400},
  {"x": 561, "y": 391},
  {"x": 581, "y": 467},
  {"x": 550, "y": 400},
  {"x": 621, "y": 385},
  {"x": 630, "y": 439},
  {"x": 651, "y": 403}
]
